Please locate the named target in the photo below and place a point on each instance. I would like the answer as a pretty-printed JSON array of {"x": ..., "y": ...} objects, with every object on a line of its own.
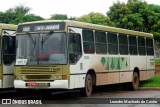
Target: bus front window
[{"x": 41, "y": 49}]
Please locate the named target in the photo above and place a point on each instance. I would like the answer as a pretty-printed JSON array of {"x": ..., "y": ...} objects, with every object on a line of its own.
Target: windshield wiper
[
  {"x": 47, "y": 36},
  {"x": 29, "y": 35},
  {"x": 33, "y": 41}
]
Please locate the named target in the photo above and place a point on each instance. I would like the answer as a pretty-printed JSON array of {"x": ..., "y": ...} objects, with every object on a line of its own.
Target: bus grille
[
  {"x": 35, "y": 77},
  {"x": 38, "y": 70}
]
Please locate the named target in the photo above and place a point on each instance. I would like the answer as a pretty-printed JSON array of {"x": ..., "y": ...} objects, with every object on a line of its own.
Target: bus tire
[
  {"x": 87, "y": 90},
  {"x": 135, "y": 81}
]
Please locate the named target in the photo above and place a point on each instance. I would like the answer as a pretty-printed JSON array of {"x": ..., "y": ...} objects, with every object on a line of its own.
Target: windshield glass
[{"x": 42, "y": 49}]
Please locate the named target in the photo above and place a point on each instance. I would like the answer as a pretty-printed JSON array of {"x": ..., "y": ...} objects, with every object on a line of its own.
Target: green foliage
[
  {"x": 157, "y": 64},
  {"x": 20, "y": 10},
  {"x": 59, "y": 17},
  {"x": 136, "y": 15},
  {"x": 95, "y": 18},
  {"x": 72, "y": 18},
  {"x": 26, "y": 18},
  {"x": 157, "y": 61},
  {"x": 153, "y": 82},
  {"x": 118, "y": 14},
  {"x": 17, "y": 15}
]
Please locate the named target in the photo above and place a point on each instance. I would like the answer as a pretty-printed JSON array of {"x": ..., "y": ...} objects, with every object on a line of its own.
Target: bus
[
  {"x": 7, "y": 55},
  {"x": 64, "y": 54}
]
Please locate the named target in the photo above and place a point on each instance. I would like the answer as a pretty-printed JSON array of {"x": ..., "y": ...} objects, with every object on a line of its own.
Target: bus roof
[
  {"x": 8, "y": 26},
  {"x": 95, "y": 27}
]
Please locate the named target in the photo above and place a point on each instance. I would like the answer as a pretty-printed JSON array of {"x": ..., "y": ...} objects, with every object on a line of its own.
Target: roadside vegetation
[
  {"x": 132, "y": 15},
  {"x": 153, "y": 82}
]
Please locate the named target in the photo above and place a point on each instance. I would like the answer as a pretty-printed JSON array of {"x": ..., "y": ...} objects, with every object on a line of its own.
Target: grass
[
  {"x": 153, "y": 82},
  {"x": 157, "y": 60},
  {"x": 157, "y": 64}
]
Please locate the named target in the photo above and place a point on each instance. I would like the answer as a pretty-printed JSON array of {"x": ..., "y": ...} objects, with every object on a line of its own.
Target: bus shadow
[
  {"x": 14, "y": 94},
  {"x": 59, "y": 95},
  {"x": 109, "y": 88},
  {"x": 62, "y": 95},
  {"x": 75, "y": 94}
]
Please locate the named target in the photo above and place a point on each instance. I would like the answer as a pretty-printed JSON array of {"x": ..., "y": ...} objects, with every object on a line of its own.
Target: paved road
[{"x": 70, "y": 98}]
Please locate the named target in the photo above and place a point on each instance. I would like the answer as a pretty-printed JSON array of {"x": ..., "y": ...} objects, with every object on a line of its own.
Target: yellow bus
[
  {"x": 67, "y": 54},
  {"x": 7, "y": 55}
]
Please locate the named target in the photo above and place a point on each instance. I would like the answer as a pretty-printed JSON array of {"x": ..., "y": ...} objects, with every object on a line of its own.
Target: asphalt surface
[{"x": 74, "y": 99}]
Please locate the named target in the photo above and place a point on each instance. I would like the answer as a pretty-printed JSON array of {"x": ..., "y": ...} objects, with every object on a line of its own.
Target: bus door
[
  {"x": 75, "y": 57},
  {"x": 8, "y": 58}
]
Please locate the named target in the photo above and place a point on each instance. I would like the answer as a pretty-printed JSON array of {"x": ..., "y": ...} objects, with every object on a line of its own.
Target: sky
[{"x": 72, "y": 8}]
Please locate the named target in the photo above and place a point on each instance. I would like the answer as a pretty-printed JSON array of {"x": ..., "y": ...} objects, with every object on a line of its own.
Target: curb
[{"x": 149, "y": 88}]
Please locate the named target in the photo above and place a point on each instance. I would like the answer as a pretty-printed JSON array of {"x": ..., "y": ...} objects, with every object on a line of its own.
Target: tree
[
  {"x": 21, "y": 10},
  {"x": 17, "y": 15},
  {"x": 136, "y": 15},
  {"x": 128, "y": 15},
  {"x": 154, "y": 20},
  {"x": 95, "y": 18},
  {"x": 117, "y": 14},
  {"x": 72, "y": 18},
  {"x": 7, "y": 16},
  {"x": 26, "y": 18},
  {"x": 2, "y": 17},
  {"x": 59, "y": 17}
]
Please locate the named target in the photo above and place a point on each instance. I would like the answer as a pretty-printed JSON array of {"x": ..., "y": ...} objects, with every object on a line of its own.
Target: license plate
[{"x": 31, "y": 84}]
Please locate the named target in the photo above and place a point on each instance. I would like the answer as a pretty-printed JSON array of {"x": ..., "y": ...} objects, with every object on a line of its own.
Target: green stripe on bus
[{"x": 114, "y": 63}]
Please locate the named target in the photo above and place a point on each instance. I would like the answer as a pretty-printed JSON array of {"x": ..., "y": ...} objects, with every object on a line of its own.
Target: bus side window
[
  {"x": 123, "y": 44},
  {"x": 133, "y": 45},
  {"x": 8, "y": 43},
  {"x": 75, "y": 50},
  {"x": 100, "y": 42},
  {"x": 149, "y": 46},
  {"x": 88, "y": 41},
  {"x": 112, "y": 43},
  {"x": 141, "y": 46}
]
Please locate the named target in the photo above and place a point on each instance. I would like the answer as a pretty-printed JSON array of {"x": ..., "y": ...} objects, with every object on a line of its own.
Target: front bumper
[{"x": 56, "y": 84}]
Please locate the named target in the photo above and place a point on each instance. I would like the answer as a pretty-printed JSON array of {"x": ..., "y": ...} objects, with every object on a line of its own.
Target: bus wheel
[
  {"x": 87, "y": 90},
  {"x": 135, "y": 81}
]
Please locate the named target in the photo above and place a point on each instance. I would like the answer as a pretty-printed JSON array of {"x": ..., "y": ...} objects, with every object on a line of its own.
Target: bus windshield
[{"x": 41, "y": 48}]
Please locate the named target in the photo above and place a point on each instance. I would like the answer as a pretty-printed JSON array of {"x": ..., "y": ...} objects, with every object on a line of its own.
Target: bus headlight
[
  {"x": 54, "y": 77},
  {"x": 60, "y": 77},
  {"x": 20, "y": 77},
  {"x": 57, "y": 77}
]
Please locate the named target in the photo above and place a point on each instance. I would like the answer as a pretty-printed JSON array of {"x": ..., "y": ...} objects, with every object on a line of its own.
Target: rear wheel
[
  {"x": 135, "y": 81},
  {"x": 87, "y": 90}
]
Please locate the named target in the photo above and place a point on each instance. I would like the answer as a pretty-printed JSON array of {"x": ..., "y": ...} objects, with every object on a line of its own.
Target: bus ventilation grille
[{"x": 38, "y": 77}]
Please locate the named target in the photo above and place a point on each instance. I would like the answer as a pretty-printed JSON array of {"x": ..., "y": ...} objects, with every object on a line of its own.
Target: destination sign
[
  {"x": 41, "y": 27},
  {"x": 46, "y": 27}
]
